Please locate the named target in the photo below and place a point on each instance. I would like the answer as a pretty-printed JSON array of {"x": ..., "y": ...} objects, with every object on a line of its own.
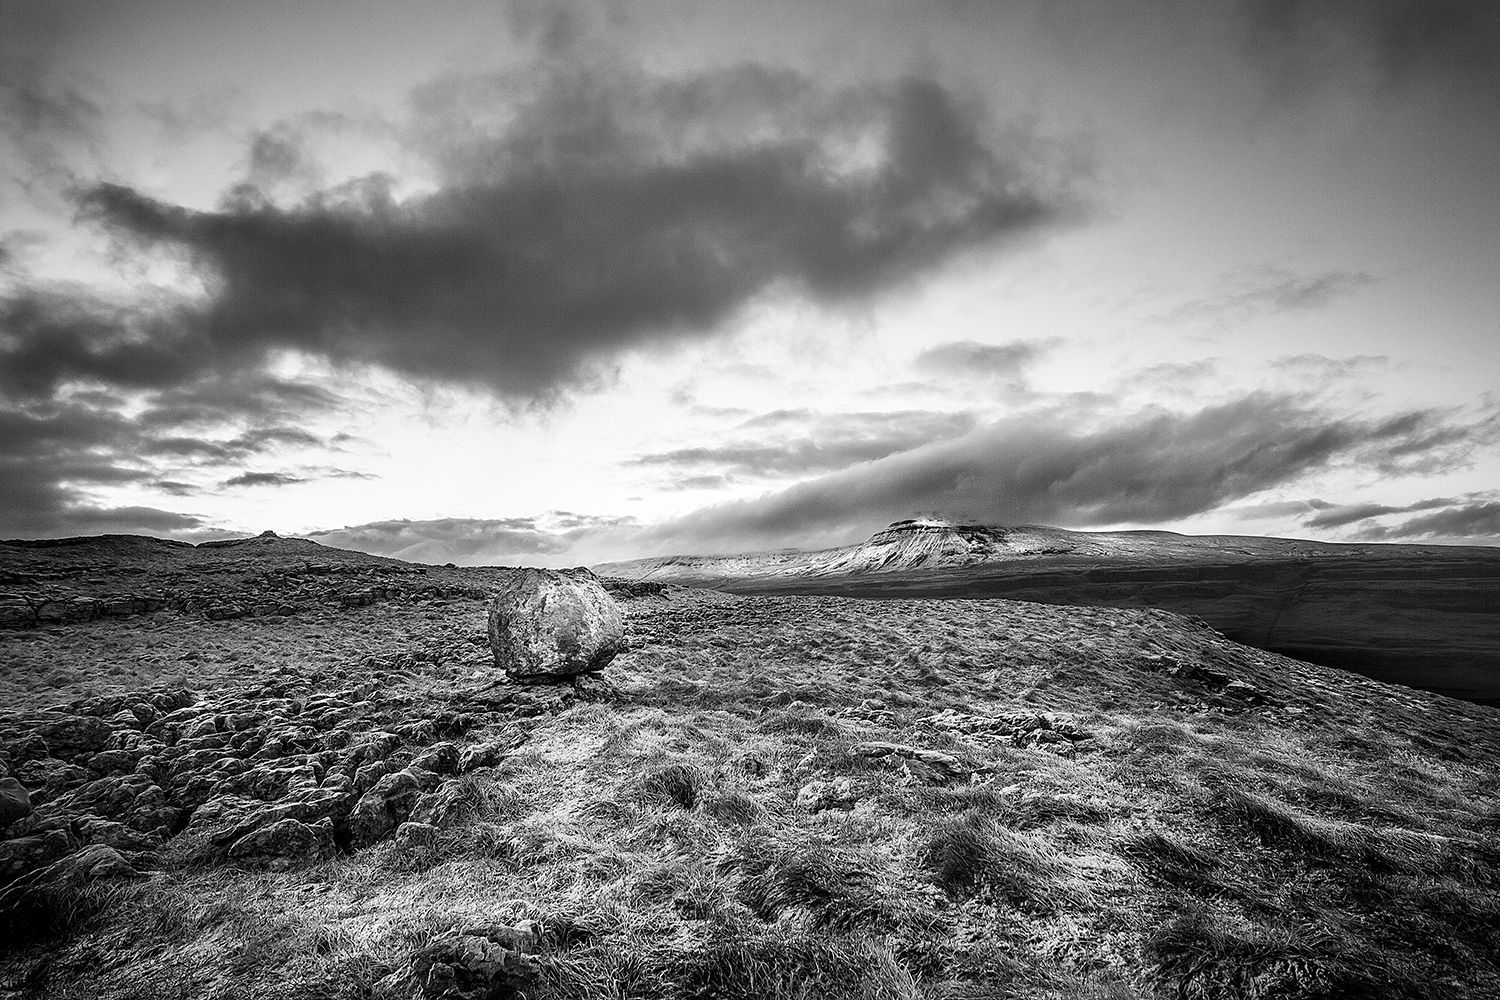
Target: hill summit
[{"x": 1422, "y": 615}]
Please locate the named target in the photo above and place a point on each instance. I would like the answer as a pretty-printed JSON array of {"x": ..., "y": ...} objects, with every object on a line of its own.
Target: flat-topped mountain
[{"x": 1423, "y": 615}]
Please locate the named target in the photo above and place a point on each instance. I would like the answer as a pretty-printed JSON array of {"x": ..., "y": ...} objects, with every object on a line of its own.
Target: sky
[{"x": 557, "y": 283}]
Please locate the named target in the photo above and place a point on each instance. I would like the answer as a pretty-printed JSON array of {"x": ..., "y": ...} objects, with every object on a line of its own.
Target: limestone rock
[
  {"x": 411, "y": 834},
  {"x": 816, "y": 796},
  {"x": 440, "y": 758},
  {"x": 287, "y": 843},
  {"x": 14, "y": 802},
  {"x": 438, "y": 808},
  {"x": 379, "y": 810},
  {"x": 24, "y": 854},
  {"x": 94, "y": 862},
  {"x": 547, "y": 624},
  {"x": 496, "y": 960},
  {"x": 73, "y": 735}
]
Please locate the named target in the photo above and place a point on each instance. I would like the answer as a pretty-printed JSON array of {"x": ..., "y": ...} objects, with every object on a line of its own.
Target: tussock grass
[
  {"x": 1283, "y": 826},
  {"x": 972, "y": 856},
  {"x": 827, "y": 887},
  {"x": 676, "y": 784},
  {"x": 1211, "y": 955}
]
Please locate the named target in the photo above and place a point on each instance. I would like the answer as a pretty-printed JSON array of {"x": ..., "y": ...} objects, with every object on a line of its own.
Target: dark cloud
[
  {"x": 49, "y": 122},
  {"x": 54, "y": 454},
  {"x": 1248, "y": 292},
  {"x": 171, "y": 487},
  {"x": 1342, "y": 514},
  {"x": 1476, "y": 522},
  {"x": 1146, "y": 469},
  {"x": 1454, "y": 517},
  {"x": 264, "y": 479},
  {"x": 472, "y": 540},
  {"x": 1386, "y": 45},
  {"x": 799, "y": 442},
  {"x": 609, "y": 210},
  {"x": 1278, "y": 509},
  {"x": 969, "y": 358},
  {"x": 289, "y": 478}
]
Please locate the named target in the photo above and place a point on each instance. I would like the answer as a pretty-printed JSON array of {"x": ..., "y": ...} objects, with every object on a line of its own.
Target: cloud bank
[{"x": 1145, "y": 468}]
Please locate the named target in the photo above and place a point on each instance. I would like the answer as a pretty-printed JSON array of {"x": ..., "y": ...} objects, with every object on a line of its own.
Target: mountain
[{"x": 1423, "y": 615}]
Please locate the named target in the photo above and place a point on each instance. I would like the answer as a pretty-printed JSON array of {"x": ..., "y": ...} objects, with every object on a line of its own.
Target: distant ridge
[
  {"x": 1423, "y": 615},
  {"x": 934, "y": 544}
]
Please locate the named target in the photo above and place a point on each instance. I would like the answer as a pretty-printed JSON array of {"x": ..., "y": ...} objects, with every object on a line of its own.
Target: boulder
[{"x": 547, "y": 625}]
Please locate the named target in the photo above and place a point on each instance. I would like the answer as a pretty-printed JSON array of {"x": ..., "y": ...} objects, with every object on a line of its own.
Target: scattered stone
[
  {"x": 930, "y": 766},
  {"x": 486, "y": 754},
  {"x": 493, "y": 961},
  {"x": 547, "y": 625},
  {"x": 411, "y": 834},
  {"x": 816, "y": 796}
]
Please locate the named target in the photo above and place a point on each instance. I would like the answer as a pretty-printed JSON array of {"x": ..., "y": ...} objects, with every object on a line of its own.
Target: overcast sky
[{"x": 553, "y": 283}]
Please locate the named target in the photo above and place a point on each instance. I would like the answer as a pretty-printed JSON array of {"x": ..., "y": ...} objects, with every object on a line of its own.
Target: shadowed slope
[{"x": 1423, "y": 615}]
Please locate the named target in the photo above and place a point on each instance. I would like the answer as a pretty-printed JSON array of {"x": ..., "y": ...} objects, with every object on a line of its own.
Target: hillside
[
  {"x": 336, "y": 795},
  {"x": 1423, "y": 615}
]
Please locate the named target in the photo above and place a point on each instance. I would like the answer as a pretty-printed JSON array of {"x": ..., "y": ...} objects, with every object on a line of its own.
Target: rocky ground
[{"x": 276, "y": 769}]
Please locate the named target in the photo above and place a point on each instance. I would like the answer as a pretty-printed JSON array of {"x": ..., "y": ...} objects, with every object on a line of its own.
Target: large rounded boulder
[{"x": 552, "y": 624}]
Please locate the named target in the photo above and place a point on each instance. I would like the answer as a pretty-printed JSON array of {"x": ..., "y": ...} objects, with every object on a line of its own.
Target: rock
[
  {"x": 485, "y": 754},
  {"x": 440, "y": 758},
  {"x": 133, "y": 799},
  {"x": 286, "y": 843},
  {"x": 73, "y": 735},
  {"x": 15, "y": 803},
  {"x": 24, "y": 854},
  {"x": 492, "y": 961},
  {"x": 1245, "y": 691},
  {"x": 547, "y": 624},
  {"x": 97, "y": 861},
  {"x": 113, "y": 762},
  {"x": 48, "y": 778},
  {"x": 368, "y": 774},
  {"x": 379, "y": 810},
  {"x": 931, "y": 766},
  {"x": 439, "y": 807},
  {"x": 94, "y": 830},
  {"x": 411, "y": 834},
  {"x": 815, "y": 796}
]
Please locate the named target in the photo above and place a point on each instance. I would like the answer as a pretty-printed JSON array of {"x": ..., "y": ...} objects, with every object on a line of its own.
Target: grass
[{"x": 651, "y": 825}]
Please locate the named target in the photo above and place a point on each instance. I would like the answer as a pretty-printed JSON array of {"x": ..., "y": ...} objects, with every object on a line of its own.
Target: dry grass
[{"x": 653, "y": 825}]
